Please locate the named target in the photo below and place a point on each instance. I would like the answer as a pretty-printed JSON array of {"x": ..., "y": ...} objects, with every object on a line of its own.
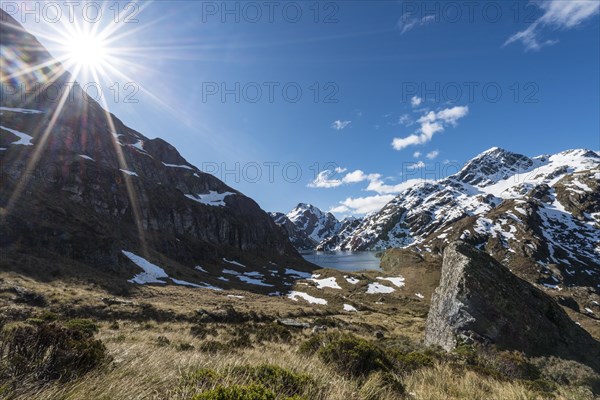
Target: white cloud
[
  {"x": 402, "y": 143},
  {"x": 409, "y": 21},
  {"x": 417, "y": 154},
  {"x": 452, "y": 115},
  {"x": 432, "y": 154},
  {"x": 355, "y": 177},
  {"x": 340, "y": 125},
  {"x": 378, "y": 186},
  {"x": 416, "y": 101},
  {"x": 405, "y": 120},
  {"x": 431, "y": 123},
  {"x": 324, "y": 181},
  {"x": 557, "y": 15},
  {"x": 363, "y": 205},
  {"x": 369, "y": 204},
  {"x": 417, "y": 165}
]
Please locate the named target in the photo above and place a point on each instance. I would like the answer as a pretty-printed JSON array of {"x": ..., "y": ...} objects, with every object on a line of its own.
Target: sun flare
[{"x": 87, "y": 51}]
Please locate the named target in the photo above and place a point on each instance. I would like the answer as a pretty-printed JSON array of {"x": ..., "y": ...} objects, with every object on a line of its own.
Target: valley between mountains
[{"x": 128, "y": 273}]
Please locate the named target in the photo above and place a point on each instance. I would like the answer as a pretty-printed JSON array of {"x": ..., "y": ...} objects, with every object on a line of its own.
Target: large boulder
[{"x": 480, "y": 300}]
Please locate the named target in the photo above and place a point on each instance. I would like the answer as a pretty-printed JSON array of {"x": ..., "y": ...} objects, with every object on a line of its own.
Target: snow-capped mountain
[
  {"x": 317, "y": 224},
  {"x": 307, "y": 225},
  {"x": 299, "y": 239},
  {"x": 81, "y": 187},
  {"x": 347, "y": 226},
  {"x": 539, "y": 215}
]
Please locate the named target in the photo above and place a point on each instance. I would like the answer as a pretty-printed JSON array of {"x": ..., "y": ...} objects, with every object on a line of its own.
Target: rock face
[
  {"x": 77, "y": 183},
  {"x": 480, "y": 300}
]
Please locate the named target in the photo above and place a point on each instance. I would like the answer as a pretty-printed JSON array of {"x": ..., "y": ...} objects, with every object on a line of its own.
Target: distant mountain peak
[
  {"x": 531, "y": 213},
  {"x": 586, "y": 153},
  {"x": 493, "y": 165}
]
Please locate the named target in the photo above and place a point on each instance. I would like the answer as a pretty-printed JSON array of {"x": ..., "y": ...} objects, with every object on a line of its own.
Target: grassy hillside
[{"x": 179, "y": 343}]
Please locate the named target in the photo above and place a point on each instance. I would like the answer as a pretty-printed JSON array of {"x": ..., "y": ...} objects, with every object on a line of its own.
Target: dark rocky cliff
[{"x": 84, "y": 186}]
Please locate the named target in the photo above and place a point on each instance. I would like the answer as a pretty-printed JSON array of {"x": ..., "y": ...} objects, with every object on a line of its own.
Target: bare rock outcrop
[{"x": 480, "y": 300}]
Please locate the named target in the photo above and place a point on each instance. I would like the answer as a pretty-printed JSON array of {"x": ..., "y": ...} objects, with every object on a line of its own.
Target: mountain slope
[
  {"x": 306, "y": 225},
  {"x": 78, "y": 184},
  {"x": 298, "y": 237},
  {"x": 317, "y": 224},
  {"x": 540, "y": 215}
]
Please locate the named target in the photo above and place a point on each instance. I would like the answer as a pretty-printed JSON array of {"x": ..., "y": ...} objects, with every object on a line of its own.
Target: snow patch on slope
[{"x": 212, "y": 198}]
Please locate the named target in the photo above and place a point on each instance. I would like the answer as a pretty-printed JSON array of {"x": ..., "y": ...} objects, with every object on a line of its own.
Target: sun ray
[{"x": 133, "y": 199}]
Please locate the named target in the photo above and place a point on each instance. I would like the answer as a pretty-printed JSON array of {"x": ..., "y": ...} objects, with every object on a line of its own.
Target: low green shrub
[
  {"x": 351, "y": 355},
  {"x": 312, "y": 345},
  {"x": 241, "y": 392},
  {"x": 568, "y": 373},
  {"x": 49, "y": 350},
  {"x": 202, "y": 377},
  {"x": 86, "y": 327},
  {"x": 325, "y": 321},
  {"x": 509, "y": 365},
  {"x": 541, "y": 386},
  {"x": 48, "y": 316},
  {"x": 273, "y": 333},
  {"x": 408, "y": 362},
  {"x": 237, "y": 392},
  {"x": 280, "y": 380},
  {"x": 213, "y": 347}
]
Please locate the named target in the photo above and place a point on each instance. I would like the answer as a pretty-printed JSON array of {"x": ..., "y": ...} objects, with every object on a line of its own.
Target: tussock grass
[
  {"x": 143, "y": 369},
  {"x": 163, "y": 348}
]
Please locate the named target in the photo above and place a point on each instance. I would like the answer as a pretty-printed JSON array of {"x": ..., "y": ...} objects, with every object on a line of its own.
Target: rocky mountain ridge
[
  {"x": 540, "y": 216},
  {"x": 307, "y": 226},
  {"x": 79, "y": 185}
]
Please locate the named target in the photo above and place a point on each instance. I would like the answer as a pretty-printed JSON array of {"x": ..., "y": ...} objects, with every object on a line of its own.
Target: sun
[{"x": 87, "y": 51}]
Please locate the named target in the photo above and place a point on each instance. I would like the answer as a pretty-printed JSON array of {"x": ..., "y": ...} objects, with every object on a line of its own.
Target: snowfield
[
  {"x": 24, "y": 139},
  {"x": 326, "y": 283},
  {"x": 375, "y": 288},
  {"x": 398, "y": 281},
  {"x": 155, "y": 274},
  {"x": 152, "y": 273},
  {"x": 212, "y": 198},
  {"x": 294, "y": 295}
]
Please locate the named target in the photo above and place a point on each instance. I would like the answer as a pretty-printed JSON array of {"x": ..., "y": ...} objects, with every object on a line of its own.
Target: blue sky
[{"x": 406, "y": 89}]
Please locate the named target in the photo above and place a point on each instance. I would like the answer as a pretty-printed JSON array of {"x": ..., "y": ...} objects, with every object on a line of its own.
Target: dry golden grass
[
  {"x": 444, "y": 383},
  {"x": 143, "y": 368}
]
